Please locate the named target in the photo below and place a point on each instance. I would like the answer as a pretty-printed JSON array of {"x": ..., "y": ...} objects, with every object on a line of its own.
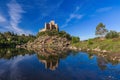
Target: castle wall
[{"x": 50, "y": 26}]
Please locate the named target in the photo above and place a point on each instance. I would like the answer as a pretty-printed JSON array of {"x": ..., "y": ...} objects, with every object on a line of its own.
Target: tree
[
  {"x": 112, "y": 34},
  {"x": 101, "y": 30},
  {"x": 64, "y": 34},
  {"x": 75, "y": 39},
  {"x": 9, "y": 39}
]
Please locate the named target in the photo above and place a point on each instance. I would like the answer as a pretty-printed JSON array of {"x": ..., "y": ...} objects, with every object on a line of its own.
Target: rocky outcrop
[{"x": 47, "y": 42}]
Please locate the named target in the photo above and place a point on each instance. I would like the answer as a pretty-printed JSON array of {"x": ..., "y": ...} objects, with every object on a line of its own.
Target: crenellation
[{"x": 50, "y": 26}]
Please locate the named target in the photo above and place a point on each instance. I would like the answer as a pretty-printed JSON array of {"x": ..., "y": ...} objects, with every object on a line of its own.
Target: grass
[{"x": 112, "y": 45}]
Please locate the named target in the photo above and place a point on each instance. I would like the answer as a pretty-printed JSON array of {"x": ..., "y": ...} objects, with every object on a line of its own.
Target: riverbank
[
  {"x": 98, "y": 45},
  {"x": 107, "y": 48}
]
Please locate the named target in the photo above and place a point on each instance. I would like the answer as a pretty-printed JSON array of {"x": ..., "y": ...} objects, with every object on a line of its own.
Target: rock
[
  {"x": 47, "y": 41},
  {"x": 74, "y": 48},
  {"x": 79, "y": 49},
  {"x": 88, "y": 49},
  {"x": 96, "y": 50},
  {"x": 104, "y": 51}
]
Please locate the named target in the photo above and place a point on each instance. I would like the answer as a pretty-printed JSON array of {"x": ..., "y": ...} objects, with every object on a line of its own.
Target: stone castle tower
[{"x": 50, "y": 26}]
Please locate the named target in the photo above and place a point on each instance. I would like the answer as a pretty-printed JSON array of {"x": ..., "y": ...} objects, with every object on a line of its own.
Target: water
[{"x": 25, "y": 65}]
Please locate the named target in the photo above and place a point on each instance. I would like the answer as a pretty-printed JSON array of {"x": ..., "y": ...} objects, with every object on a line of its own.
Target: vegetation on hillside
[
  {"x": 112, "y": 34},
  {"x": 10, "y": 39},
  {"x": 75, "y": 39},
  {"x": 54, "y": 33},
  {"x": 62, "y": 34},
  {"x": 112, "y": 45},
  {"x": 110, "y": 40}
]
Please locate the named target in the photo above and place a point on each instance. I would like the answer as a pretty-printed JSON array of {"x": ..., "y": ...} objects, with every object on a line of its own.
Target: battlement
[{"x": 50, "y": 26}]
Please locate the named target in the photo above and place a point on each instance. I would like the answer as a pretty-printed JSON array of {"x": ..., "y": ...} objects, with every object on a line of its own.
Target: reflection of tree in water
[
  {"x": 113, "y": 58},
  {"x": 90, "y": 55},
  {"x": 102, "y": 63},
  {"x": 10, "y": 52},
  {"x": 50, "y": 57},
  {"x": 104, "y": 58}
]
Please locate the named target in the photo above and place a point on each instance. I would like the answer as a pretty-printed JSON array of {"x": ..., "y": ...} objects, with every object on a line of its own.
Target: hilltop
[{"x": 51, "y": 37}]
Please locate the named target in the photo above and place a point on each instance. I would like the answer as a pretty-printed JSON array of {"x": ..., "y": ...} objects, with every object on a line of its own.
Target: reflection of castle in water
[
  {"x": 52, "y": 65},
  {"x": 50, "y": 57},
  {"x": 51, "y": 62}
]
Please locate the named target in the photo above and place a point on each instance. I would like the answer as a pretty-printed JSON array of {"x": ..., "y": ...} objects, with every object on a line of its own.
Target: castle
[{"x": 50, "y": 26}]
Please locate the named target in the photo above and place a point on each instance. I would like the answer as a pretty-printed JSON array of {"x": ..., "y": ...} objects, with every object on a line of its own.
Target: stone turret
[
  {"x": 50, "y": 26},
  {"x": 52, "y": 22}
]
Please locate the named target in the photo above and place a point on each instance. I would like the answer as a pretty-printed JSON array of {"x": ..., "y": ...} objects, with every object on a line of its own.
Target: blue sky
[{"x": 77, "y": 17}]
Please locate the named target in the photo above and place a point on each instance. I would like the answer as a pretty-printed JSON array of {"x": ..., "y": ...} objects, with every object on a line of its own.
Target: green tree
[
  {"x": 75, "y": 39},
  {"x": 54, "y": 33},
  {"x": 101, "y": 30},
  {"x": 64, "y": 34},
  {"x": 112, "y": 34},
  {"x": 9, "y": 39}
]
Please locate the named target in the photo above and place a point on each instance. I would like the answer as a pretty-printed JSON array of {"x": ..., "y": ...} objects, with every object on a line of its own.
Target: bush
[
  {"x": 112, "y": 34},
  {"x": 55, "y": 33},
  {"x": 75, "y": 39},
  {"x": 10, "y": 39},
  {"x": 90, "y": 42},
  {"x": 64, "y": 34}
]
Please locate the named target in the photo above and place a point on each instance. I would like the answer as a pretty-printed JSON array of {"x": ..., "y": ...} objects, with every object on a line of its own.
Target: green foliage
[
  {"x": 64, "y": 34},
  {"x": 112, "y": 34},
  {"x": 48, "y": 33},
  {"x": 9, "y": 39},
  {"x": 90, "y": 42},
  {"x": 75, "y": 39},
  {"x": 101, "y": 30},
  {"x": 112, "y": 45},
  {"x": 55, "y": 33}
]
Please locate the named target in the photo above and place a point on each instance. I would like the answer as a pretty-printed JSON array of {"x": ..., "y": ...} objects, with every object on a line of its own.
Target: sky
[{"x": 76, "y": 17}]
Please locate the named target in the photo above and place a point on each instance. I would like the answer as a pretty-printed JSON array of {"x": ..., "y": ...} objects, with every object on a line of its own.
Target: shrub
[
  {"x": 75, "y": 39},
  {"x": 55, "y": 33},
  {"x": 65, "y": 35},
  {"x": 90, "y": 42},
  {"x": 112, "y": 34}
]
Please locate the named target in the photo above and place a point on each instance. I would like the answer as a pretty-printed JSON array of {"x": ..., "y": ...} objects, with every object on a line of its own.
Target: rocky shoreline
[
  {"x": 51, "y": 44},
  {"x": 47, "y": 42},
  {"x": 103, "y": 53},
  {"x": 88, "y": 50}
]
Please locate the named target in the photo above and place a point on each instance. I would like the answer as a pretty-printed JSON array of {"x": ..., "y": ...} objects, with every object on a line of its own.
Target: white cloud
[
  {"x": 104, "y": 9},
  {"x": 73, "y": 15},
  {"x": 15, "y": 12},
  {"x": 2, "y": 19}
]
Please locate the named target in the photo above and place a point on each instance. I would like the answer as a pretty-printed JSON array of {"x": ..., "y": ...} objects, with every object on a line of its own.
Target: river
[{"x": 27, "y": 65}]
